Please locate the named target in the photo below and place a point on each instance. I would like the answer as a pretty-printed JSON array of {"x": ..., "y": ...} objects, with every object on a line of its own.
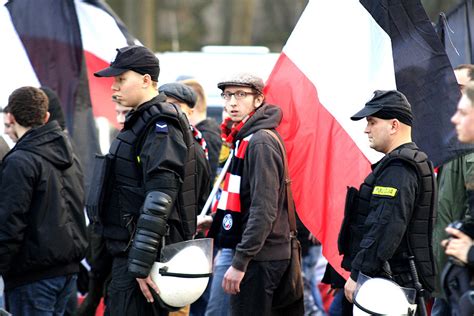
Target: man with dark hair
[
  {"x": 150, "y": 166},
  {"x": 30, "y": 107},
  {"x": 458, "y": 273},
  {"x": 42, "y": 224},
  {"x": 388, "y": 221}
]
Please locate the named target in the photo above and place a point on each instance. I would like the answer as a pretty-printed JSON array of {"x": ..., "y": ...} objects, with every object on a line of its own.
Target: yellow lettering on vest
[{"x": 384, "y": 191}]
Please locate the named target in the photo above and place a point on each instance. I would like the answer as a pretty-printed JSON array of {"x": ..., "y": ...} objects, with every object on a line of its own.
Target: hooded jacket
[
  {"x": 265, "y": 226},
  {"x": 42, "y": 223}
]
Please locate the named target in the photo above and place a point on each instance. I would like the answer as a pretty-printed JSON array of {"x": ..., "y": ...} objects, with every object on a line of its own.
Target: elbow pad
[{"x": 151, "y": 227}]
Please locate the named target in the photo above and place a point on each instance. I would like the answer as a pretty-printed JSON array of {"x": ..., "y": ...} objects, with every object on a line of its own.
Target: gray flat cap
[
  {"x": 243, "y": 80},
  {"x": 180, "y": 92}
]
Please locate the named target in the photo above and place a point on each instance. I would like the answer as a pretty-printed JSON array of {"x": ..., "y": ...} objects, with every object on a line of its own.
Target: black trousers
[
  {"x": 124, "y": 296},
  {"x": 256, "y": 291}
]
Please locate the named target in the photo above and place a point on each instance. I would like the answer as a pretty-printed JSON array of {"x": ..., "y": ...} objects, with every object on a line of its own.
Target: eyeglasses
[{"x": 239, "y": 95}]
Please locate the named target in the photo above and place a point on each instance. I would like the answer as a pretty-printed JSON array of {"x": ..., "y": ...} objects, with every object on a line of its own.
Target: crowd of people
[{"x": 148, "y": 191}]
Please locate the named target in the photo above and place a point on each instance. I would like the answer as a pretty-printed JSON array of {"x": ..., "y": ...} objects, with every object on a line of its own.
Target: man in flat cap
[
  {"x": 185, "y": 97},
  {"x": 208, "y": 126},
  {"x": 137, "y": 196},
  {"x": 390, "y": 218},
  {"x": 251, "y": 226}
]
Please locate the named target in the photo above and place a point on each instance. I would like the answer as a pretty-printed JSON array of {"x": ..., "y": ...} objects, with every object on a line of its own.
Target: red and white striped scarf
[
  {"x": 230, "y": 195},
  {"x": 228, "y": 213},
  {"x": 201, "y": 141},
  {"x": 229, "y": 129}
]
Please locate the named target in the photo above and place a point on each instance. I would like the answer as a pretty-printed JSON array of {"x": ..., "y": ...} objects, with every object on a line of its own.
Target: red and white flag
[
  {"x": 101, "y": 36},
  {"x": 337, "y": 55}
]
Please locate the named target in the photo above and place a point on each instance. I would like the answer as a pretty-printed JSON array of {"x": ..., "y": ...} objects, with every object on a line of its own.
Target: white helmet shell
[
  {"x": 382, "y": 296},
  {"x": 193, "y": 259}
]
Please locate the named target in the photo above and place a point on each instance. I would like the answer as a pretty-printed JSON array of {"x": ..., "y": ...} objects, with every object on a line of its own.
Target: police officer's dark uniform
[
  {"x": 186, "y": 94},
  {"x": 145, "y": 188},
  {"x": 390, "y": 217}
]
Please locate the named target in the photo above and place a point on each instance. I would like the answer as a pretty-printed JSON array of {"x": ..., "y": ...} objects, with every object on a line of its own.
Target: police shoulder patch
[
  {"x": 161, "y": 127},
  {"x": 385, "y": 191}
]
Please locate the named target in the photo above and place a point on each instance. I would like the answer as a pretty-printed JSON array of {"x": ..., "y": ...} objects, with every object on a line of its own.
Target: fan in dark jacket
[
  {"x": 42, "y": 224},
  {"x": 209, "y": 128},
  {"x": 185, "y": 97},
  {"x": 251, "y": 225}
]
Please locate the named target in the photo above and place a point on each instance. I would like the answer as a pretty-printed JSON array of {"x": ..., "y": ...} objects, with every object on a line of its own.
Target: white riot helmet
[
  {"x": 183, "y": 272},
  {"x": 378, "y": 296}
]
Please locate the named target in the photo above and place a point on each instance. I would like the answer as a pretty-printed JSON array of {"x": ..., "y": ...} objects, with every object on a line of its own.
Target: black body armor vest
[
  {"x": 125, "y": 188},
  {"x": 417, "y": 240}
]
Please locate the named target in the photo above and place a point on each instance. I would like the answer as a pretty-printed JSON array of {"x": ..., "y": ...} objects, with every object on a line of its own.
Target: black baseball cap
[
  {"x": 387, "y": 104},
  {"x": 137, "y": 58},
  {"x": 180, "y": 92}
]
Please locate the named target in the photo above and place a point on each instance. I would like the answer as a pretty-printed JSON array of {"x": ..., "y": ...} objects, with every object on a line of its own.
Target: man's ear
[
  {"x": 147, "y": 81},
  {"x": 395, "y": 125},
  {"x": 11, "y": 118},
  {"x": 46, "y": 117},
  {"x": 258, "y": 100}
]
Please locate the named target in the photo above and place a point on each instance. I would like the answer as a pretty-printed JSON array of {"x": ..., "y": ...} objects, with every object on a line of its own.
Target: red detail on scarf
[{"x": 229, "y": 129}]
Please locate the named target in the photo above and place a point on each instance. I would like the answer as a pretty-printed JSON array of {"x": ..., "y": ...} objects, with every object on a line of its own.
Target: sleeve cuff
[
  {"x": 470, "y": 257},
  {"x": 240, "y": 261},
  {"x": 354, "y": 275}
]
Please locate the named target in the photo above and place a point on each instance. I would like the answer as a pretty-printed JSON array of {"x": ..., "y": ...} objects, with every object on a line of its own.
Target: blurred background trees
[{"x": 187, "y": 25}]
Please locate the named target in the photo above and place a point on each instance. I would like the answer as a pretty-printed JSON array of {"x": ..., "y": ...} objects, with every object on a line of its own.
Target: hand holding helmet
[{"x": 382, "y": 297}]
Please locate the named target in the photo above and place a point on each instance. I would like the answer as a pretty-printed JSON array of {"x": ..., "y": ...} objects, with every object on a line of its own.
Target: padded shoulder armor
[
  {"x": 126, "y": 172},
  {"x": 187, "y": 196}
]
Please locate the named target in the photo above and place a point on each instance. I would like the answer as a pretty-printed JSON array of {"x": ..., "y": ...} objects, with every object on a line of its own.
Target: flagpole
[
  {"x": 217, "y": 184},
  {"x": 468, "y": 23}
]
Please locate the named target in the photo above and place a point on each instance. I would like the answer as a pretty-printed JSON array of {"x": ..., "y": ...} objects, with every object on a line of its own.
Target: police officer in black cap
[
  {"x": 389, "y": 219},
  {"x": 137, "y": 199}
]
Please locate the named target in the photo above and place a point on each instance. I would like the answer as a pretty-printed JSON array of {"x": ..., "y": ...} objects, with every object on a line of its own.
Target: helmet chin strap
[
  {"x": 164, "y": 272},
  {"x": 365, "y": 310}
]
